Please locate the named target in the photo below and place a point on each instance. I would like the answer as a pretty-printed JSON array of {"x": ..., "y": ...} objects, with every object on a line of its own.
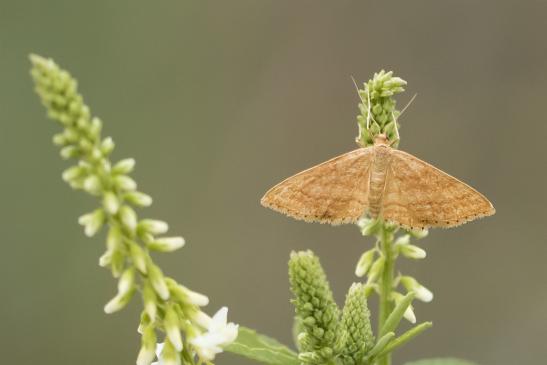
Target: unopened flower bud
[
  {"x": 124, "y": 182},
  {"x": 418, "y": 233},
  {"x": 126, "y": 281},
  {"x": 409, "y": 315},
  {"x": 114, "y": 239},
  {"x": 171, "y": 323},
  {"x": 72, "y": 173},
  {"x": 149, "y": 298},
  {"x": 105, "y": 259},
  {"x": 110, "y": 203},
  {"x": 365, "y": 263},
  {"x": 124, "y": 166},
  {"x": 138, "y": 256},
  {"x": 118, "y": 302},
  {"x": 95, "y": 127},
  {"x": 402, "y": 240},
  {"x": 138, "y": 198},
  {"x": 107, "y": 146},
  {"x": 92, "y": 184},
  {"x": 166, "y": 244},
  {"x": 158, "y": 281},
  {"x": 413, "y": 252},
  {"x": 152, "y": 226},
  {"x": 92, "y": 222},
  {"x": 375, "y": 270},
  {"x": 117, "y": 263},
  {"x": 69, "y": 152},
  {"x": 185, "y": 295},
  {"x": 128, "y": 217},
  {"x": 148, "y": 346}
]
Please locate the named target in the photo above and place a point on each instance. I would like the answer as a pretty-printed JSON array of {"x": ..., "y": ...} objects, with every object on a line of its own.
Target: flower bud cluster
[
  {"x": 356, "y": 321},
  {"x": 321, "y": 339},
  {"x": 377, "y": 107},
  {"x": 323, "y": 335},
  {"x": 168, "y": 306}
]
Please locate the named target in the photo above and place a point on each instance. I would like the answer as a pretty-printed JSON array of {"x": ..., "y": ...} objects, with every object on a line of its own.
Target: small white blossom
[
  {"x": 219, "y": 333},
  {"x": 124, "y": 166},
  {"x": 422, "y": 293},
  {"x": 409, "y": 315},
  {"x": 403, "y": 240},
  {"x": 92, "y": 184},
  {"x": 92, "y": 222},
  {"x": 138, "y": 198},
  {"x": 166, "y": 244},
  {"x": 107, "y": 145},
  {"x": 124, "y": 182},
  {"x": 111, "y": 203},
  {"x": 153, "y": 226},
  {"x": 128, "y": 217},
  {"x": 195, "y": 298},
  {"x": 365, "y": 262}
]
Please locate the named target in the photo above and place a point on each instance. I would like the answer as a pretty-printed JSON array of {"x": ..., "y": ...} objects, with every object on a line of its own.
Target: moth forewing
[
  {"x": 334, "y": 192},
  {"x": 382, "y": 182}
]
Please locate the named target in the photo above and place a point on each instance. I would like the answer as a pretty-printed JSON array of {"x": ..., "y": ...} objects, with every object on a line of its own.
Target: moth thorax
[
  {"x": 377, "y": 182},
  {"x": 381, "y": 139}
]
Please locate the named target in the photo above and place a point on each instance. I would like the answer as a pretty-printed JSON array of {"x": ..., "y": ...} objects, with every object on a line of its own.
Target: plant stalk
[{"x": 386, "y": 285}]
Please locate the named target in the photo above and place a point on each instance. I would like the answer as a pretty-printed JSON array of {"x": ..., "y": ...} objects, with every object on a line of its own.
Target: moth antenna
[
  {"x": 408, "y": 104},
  {"x": 396, "y": 128},
  {"x": 401, "y": 113},
  {"x": 368, "y": 114}
]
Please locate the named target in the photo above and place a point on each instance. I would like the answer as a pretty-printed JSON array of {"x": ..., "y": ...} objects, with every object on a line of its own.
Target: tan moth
[{"x": 379, "y": 181}]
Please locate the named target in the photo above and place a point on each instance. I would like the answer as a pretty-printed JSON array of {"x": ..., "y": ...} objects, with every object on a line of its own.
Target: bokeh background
[{"x": 219, "y": 100}]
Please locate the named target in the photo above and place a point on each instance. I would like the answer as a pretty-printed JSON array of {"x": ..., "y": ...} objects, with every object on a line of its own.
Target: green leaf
[
  {"x": 397, "y": 314},
  {"x": 262, "y": 348},
  {"x": 446, "y": 361},
  {"x": 405, "y": 337}
]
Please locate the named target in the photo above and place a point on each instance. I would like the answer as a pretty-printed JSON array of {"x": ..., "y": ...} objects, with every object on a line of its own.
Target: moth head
[{"x": 381, "y": 139}]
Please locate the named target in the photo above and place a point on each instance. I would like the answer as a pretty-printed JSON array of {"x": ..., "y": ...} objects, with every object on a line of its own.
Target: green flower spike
[
  {"x": 322, "y": 336},
  {"x": 169, "y": 308},
  {"x": 377, "y": 107},
  {"x": 356, "y": 321}
]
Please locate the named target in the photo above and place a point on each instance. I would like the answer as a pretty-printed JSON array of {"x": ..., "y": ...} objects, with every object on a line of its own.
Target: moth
[{"x": 378, "y": 181}]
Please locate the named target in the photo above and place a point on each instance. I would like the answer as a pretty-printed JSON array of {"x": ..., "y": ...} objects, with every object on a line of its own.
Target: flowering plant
[
  {"x": 173, "y": 327},
  {"x": 190, "y": 336}
]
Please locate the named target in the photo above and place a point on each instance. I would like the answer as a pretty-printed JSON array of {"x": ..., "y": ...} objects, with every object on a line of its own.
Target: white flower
[
  {"x": 409, "y": 315},
  {"x": 424, "y": 294},
  {"x": 166, "y": 244},
  {"x": 219, "y": 333},
  {"x": 196, "y": 298}
]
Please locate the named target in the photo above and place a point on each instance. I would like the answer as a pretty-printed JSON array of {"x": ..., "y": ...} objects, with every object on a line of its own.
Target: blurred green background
[{"x": 218, "y": 101}]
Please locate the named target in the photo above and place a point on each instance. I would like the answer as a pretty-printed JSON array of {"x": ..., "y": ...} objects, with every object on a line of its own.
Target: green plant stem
[{"x": 386, "y": 285}]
